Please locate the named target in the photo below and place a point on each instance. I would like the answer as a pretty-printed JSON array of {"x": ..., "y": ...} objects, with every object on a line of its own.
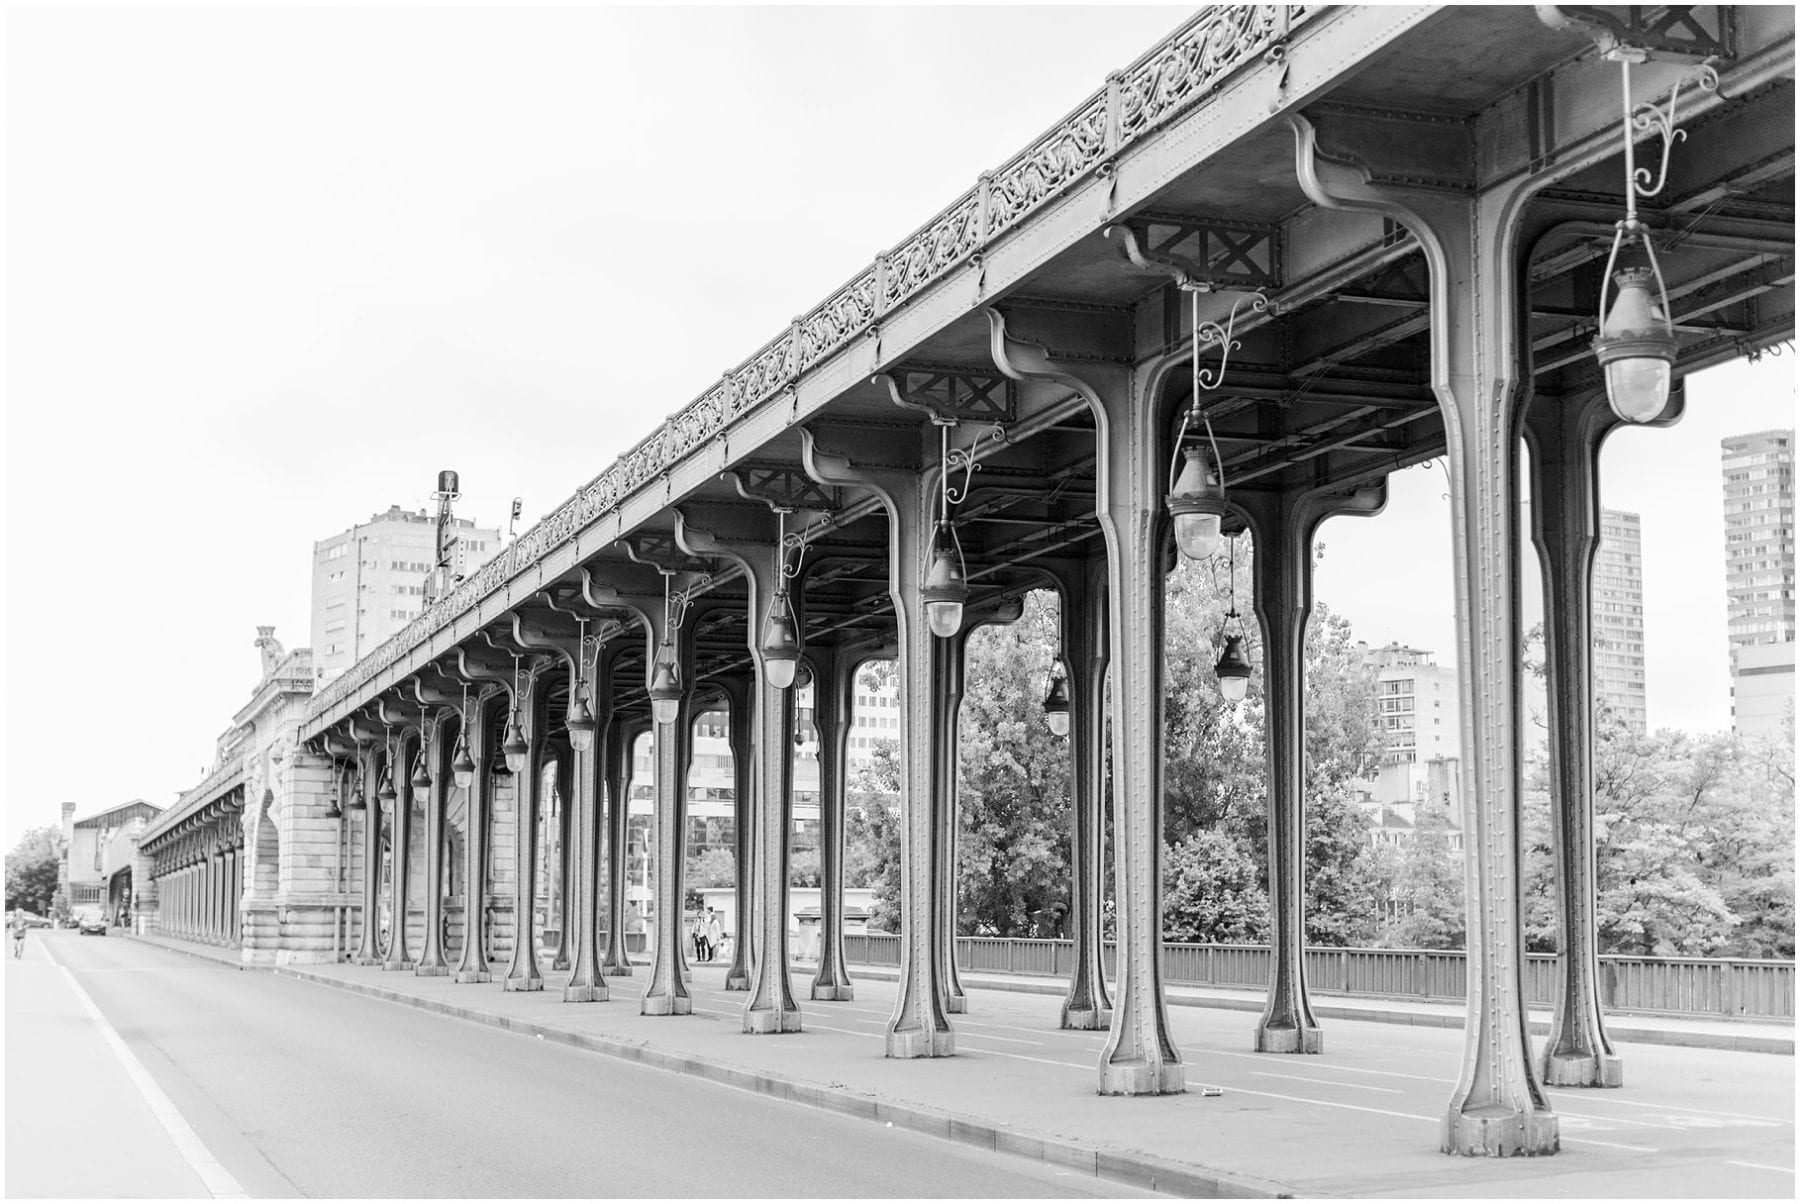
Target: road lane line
[
  {"x": 1760, "y": 1166},
  {"x": 219, "y": 1182},
  {"x": 1298, "y": 1099},
  {"x": 1392, "y": 1074},
  {"x": 1638, "y": 1103},
  {"x": 1300, "y": 1078}
]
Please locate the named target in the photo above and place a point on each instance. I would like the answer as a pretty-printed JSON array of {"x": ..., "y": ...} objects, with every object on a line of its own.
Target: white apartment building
[
  {"x": 1619, "y": 618},
  {"x": 1420, "y": 718},
  {"x": 1758, "y": 478},
  {"x": 370, "y": 581}
]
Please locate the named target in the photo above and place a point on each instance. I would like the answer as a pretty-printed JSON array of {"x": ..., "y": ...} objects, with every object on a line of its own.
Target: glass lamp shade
[
  {"x": 581, "y": 723},
  {"x": 462, "y": 765},
  {"x": 1056, "y": 706},
  {"x": 386, "y": 792},
  {"x": 421, "y": 778},
  {"x": 1197, "y": 504},
  {"x": 517, "y": 752},
  {"x": 780, "y": 645},
  {"x": 946, "y": 588},
  {"x": 1636, "y": 349},
  {"x": 665, "y": 692},
  {"x": 1233, "y": 670}
]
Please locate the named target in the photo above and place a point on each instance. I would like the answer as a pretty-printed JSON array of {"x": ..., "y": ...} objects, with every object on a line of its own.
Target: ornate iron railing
[
  {"x": 222, "y": 778},
  {"x": 1672, "y": 986},
  {"x": 1174, "y": 74}
]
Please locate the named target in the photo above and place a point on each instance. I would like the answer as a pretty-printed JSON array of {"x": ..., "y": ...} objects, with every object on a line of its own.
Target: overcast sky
[{"x": 269, "y": 269}]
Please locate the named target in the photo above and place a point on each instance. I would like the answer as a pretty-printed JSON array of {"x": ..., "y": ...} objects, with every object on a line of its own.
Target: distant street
[{"x": 299, "y": 1090}]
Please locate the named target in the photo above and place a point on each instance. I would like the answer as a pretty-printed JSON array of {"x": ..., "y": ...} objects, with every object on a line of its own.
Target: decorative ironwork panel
[
  {"x": 1193, "y": 62},
  {"x": 1049, "y": 166},
  {"x": 952, "y": 236},
  {"x": 832, "y": 324}
]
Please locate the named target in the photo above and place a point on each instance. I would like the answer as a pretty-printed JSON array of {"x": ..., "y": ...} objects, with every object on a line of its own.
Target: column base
[
  {"x": 365, "y": 961},
  {"x": 956, "y": 1005},
  {"x": 398, "y": 965},
  {"x": 666, "y": 1005},
  {"x": 1497, "y": 1131},
  {"x": 596, "y": 993},
  {"x": 1086, "y": 1019},
  {"x": 1142, "y": 1078},
  {"x": 616, "y": 970},
  {"x": 561, "y": 963},
  {"x": 473, "y": 976},
  {"x": 1290, "y": 1039},
  {"x": 773, "y": 1020},
  {"x": 841, "y": 992},
  {"x": 521, "y": 984},
  {"x": 1583, "y": 1070},
  {"x": 737, "y": 982},
  {"x": 918, "y": 1043},
  {"x": 432, "y": 971}
]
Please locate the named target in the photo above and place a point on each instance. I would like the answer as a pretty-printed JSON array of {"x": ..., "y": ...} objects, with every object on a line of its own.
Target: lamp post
[
  {"x": 514, "y": 747},
  {"x": 580, "y": 718},
  {"x": 1637, "y": 346},
  {"x": 780, "y": 645},
  {"x": 1196, "y": 501},
  {"x": 1056, "y": 700},
  {"x": 1233, "y": 667}
]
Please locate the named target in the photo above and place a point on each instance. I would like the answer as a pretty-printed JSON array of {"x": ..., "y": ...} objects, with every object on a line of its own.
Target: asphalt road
[{"x": 297, "y": 1089}]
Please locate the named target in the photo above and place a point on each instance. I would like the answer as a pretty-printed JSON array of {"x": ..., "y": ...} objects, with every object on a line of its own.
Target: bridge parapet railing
[
  {"x": 1180, "y": 71},
  {"x": 1672, "y": 986}
]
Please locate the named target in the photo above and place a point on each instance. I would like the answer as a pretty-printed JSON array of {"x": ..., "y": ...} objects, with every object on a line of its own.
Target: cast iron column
[
  {"x": 586, "y": 984},
  {"x": 566, "y": 790},
  {"x": 523, "y": 972},
  {"x": 368, "y": 952},
  {"x": 919, "y": 1027},
  {"x": 398, "y": 956},
  {"x": 472, "y": 965},
  {"x": 739, "y": 690},
  {"x": 1083, "y": 606},
  {"x": 834, "y": 686},
  {"x": 666, "y": 993},
  {"x": 1479, "y": 364},
  {"x": 618, "y": 739},
  {"x": 437, "y": 755},
  {"x": 945, "y": 745},
  {"x": 1140, "y": 1058},
  {"x": 1565, "y": 436}
]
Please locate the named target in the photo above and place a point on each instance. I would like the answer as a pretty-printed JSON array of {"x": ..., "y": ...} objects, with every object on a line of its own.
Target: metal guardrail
[{"x": 1669, "y": 986}]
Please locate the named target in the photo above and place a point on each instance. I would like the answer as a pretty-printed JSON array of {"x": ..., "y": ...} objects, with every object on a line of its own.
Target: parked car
[{"x": 92, "y": 923}]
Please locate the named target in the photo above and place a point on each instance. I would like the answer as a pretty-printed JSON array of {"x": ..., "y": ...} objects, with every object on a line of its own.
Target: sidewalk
[{"x": 1360, "y": 1119}]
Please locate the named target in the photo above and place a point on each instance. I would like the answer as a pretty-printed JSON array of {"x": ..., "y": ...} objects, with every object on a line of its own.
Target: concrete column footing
[
  {"x": 1295, "y": 1039},
  {"x": 666, "y": 1005},
  {"x": 397, "y": 966},
  {"x": 1143, "y": 1078},
  {"x": 1086, "y": 1019},
  {"x": 615, "y": 971},
  {"x": 561, "y": 963},
  {"x": 432, "y": 971},
  {"x": 1584, "y": 1070},
  {"x": 473, "y": 976},
  {"x": 1496, "y": 1131},
  {"x": 773, "y": 1020},
  {"x": 521, "y": 984},
  {"x": 597, "y": 993},
  {"x": 956, "y": 1005},
  {"x": 842, "y": 992},
  {"x": 917, "y": 1043},
  {"x": 737, "y": 982}
]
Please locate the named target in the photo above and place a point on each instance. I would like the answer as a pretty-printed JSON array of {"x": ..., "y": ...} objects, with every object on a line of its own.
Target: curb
[
  {"x": 1617, "y": 1028},
  {"x": 1126, "y": 1167},
  {"x": 174, "y": 946}
]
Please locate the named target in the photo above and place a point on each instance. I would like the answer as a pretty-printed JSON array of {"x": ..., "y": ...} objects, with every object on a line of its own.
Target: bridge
[{"x": 1289, "y": 251}]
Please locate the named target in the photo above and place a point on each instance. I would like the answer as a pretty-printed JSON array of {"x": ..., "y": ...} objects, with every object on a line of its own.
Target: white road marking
[
  {"x": 1760, "y": 1166},
  {"x": 1391, "y": 1074},
  {"x": 219, "y": 1183},
  {"x": 1300, "y": 1078},
  {"x": 1609, "y": 1098},
  {"x": 1636, "y": 1149}
]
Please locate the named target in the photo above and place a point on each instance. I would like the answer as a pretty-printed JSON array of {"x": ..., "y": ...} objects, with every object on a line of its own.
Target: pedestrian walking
[
  {"x": 698, "y": 934},
  {"x": 18, "y": 934},
  {"x": 715, "y": 935}
]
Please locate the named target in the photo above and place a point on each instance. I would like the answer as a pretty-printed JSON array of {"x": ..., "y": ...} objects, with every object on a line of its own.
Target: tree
[
  {"x": 713, "y": 868},
  {"x": 32, "y": 868},
  {"x": 1013, "y": 838},
  {"x": 872, "y": 833},
  {"x": 1428, "y": 888},
  {"x": 803, "y": 868},
  {"x": 1212, "y": 892}
]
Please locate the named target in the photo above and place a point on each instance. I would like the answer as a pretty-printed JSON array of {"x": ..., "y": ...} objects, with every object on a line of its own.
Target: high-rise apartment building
[
  {"x": 1420, "y": 718},
  {"x": 370, "y": 581},
  {"x": 1619, "y": 618},
  {"x": 1758, "y": 472}
]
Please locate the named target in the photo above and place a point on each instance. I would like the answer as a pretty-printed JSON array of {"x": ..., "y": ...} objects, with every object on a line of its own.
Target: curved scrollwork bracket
[
  {"x": 1207, "y": 334},
  {"x": 1647, "y": 117}
]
